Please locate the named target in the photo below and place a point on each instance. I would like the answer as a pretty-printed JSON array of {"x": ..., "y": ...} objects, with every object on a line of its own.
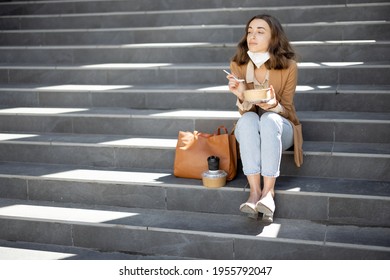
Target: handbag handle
[{"x": 219, "y": 130}]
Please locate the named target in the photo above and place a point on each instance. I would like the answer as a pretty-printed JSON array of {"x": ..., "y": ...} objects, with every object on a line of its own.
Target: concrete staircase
[{"x": 93, "y": 94}]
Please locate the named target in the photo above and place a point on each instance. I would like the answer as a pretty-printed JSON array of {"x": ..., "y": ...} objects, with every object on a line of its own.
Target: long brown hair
[{"x": 280, "y": 50}]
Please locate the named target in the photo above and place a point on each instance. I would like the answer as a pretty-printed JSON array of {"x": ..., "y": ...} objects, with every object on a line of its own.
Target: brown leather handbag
[{"x": 193, "y": 149}]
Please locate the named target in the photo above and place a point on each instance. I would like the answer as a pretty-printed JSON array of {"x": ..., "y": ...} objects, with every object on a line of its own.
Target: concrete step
[
  {"x": 176, "y": 233},
  {"x": 22, "y": 251},
  {"x": 60, "y": 7},
  {"x": 344, "y": 126},
  {"x": 335, "y": 126},
  {"x": 347, "y": 98},
  {"x": 196, "y": 52},
  {"x": 221, "y": 15},
  {"x": 323, "y": 159},
  {"x": 322, "y": 31},
  {"x": 356, "y": 98},
  {"x": 183, "y": 74},
  {"x": 328, "y": 200},
  {"x": 17, "y": 177}
]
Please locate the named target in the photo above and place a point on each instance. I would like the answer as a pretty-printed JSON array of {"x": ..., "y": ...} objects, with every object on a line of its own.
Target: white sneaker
[
  {"x": 250, "y": 209},
  {"x": 266, "y": 205}
]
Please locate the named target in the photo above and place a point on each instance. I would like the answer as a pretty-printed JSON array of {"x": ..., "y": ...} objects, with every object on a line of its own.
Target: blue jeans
[{"x": 262, "y": 140}]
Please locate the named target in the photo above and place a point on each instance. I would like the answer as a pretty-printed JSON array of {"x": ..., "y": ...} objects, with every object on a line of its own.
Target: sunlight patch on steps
[
  {"x": 271, "y": 230},
  {"x": 142, "y": 142},
  {"x": 14, "y": 136},
  {"x": 198, "y": 114},
  {"x": 71, "y": 87},
  {"x": 41, "y": 111},
  {"x": 295, "y": 189},
  {"x": 342, "y": 63},
  {"x": 215, "y": 88},
  {"x": 337, "y": 42},
  {"x": 319, "y": 64},
  {"x": 109, "y": 176},
  {"x": 126, "y": 142},
  {"x": 125, "y": 65},
  {"x": 63, "y": 213},
  {"x": 309, "y": 88},
  {"x": 7, "y": 253},
  {"x": 159, "y": 45},
  {"x": 304, "y": 88}
]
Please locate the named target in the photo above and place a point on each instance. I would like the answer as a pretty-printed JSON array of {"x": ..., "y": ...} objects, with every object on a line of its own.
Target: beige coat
[{"x": 284, "y": 82}]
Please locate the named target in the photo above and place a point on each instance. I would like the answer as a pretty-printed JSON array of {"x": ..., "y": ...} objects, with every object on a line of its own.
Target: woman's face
[{"x": 259, "y": 36}]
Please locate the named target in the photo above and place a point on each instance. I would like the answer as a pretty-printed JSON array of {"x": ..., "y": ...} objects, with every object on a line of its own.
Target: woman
[{"x": 265, "y": 59}]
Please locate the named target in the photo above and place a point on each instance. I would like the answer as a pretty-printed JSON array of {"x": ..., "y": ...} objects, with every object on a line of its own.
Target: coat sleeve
[{"x": 287, "y": 92}]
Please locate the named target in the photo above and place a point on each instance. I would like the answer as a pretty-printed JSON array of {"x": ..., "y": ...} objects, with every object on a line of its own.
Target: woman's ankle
[{"x": 265, "y": 193}]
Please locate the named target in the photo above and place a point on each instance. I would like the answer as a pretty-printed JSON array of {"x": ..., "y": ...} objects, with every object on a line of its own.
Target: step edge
[
  {"x": 189, "y": 27},
  {"x": 186, "y": 45},
  {"x": 194, "y": 187},
  {"x": 227, "y": 236}
]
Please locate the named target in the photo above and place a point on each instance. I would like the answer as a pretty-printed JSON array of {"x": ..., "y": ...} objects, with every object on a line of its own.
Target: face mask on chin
[{"x": 258, "y": 58}]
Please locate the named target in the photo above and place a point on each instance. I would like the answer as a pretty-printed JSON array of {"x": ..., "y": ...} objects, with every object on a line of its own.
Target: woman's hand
[
  {"x": 236, "y": 87},
  {"x": 271, "y": 103}
]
